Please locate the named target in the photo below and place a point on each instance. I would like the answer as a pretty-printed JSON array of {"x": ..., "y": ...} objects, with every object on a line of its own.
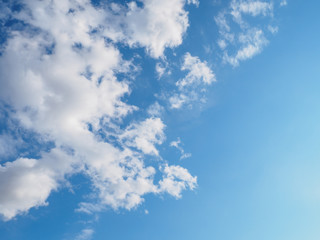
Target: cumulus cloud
[
  {"x": 26, "y": 183},
  {"x": 198, "y": 72},
  {"x": 59, "y": 75},
  {"x": 65, "y": 79},
  {"x": 190, "y": 87},
  {"x": 166, "y": 21},
  {"x": 145, "y": 135},
  {"x": 155, "y": 25},
  {"x": 177, "y": 179}
]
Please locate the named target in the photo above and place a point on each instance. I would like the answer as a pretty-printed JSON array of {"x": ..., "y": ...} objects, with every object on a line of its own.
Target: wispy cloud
[
  {"x": 192, "y": 85},
  {"x": 251, "y": 43},
  {"x": 177, "y": 144},
  {"x": 248, "y": 40},
  {"x": 283, "y": 3},
  {"x": 86, "y": 234}
]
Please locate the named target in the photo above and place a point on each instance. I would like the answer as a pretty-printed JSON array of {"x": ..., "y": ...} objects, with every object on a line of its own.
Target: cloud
[
  {"x": 8, "y": 145},
  {"x": 176, "y": 144},
  {"x": 248, "y": 41},
  {"x": 145, "y": 135},
  {"x": 252, "y": 43},
  {"x": 192, "y": 85},
  {"x": 273, "y": 29},
  {"x": 251, "y": 7},
  {"x": 198, "y": 72},
  {"x": 162, "y": 69},
  {"x": 196, "y": 2},
  {"x": 176, "y": 180},
  {"x": 60, "y": 77},
  {"x": 156, "y": 25},
  {"x": 164, "y": 24},
  {"x": 177, "y": 100},
  {"x": 155, "y": 110},
  {"x": 66, "y": 78},
  {"x": 25, "y": 183},
  {"x": 86, "y": 234},
  {"x": 283, "y": 3}
]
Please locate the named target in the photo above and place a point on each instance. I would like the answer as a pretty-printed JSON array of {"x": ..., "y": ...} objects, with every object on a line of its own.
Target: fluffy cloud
[
  {"x": 177, "y": 179},
  {"x": 26, "y": 183},
  {"x": 155, "y": 25},
  {"x": 198, "y": 72},
  {"x": 165, "y": 22},
  {"x": 145, "y": 135},
  {"x": 59, "y": 77}
]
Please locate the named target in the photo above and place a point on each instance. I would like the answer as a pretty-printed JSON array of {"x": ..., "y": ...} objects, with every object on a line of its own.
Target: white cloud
[
  {"x": 25, "y": 183},
  {"x": 155, "y": 110},
  {"x": 61, "y": 81},
  {"x": 249, "y": 41},
  {"x": 156, "y": 25},
  {"x": 251, "y": 7},
  {"x": 177, "y": 144},
  {"x": 222, "y": 44},
  {"x": 192, "y": 85},
  {"x": 252, "y": 44},
  {"x": 86, "y": 234},
  {"x": 177, "y": 100},
  {"x": 89, "y": 208},
  {"x": 283, "y": 3},
  {"x": 221, "y": 21},
  {"x": 176, "y": 180},
  {"x": 198, "y": 72},
  {"x": 145, "y": 135},
  {"x": 273, "y": 29},
  {"x": 162, "y": 69},
  {"x": 196, "y": 2}
]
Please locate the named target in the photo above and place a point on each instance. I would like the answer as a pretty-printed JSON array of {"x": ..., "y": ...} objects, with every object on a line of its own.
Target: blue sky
[{"x": 159, "y": 120}]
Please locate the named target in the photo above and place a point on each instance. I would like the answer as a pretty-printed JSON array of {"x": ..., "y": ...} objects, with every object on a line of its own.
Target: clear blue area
[{"x": 255, "y": 149}]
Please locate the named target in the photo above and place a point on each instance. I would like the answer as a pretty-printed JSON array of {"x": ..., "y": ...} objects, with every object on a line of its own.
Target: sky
[{"x": 172, "y": 119}]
